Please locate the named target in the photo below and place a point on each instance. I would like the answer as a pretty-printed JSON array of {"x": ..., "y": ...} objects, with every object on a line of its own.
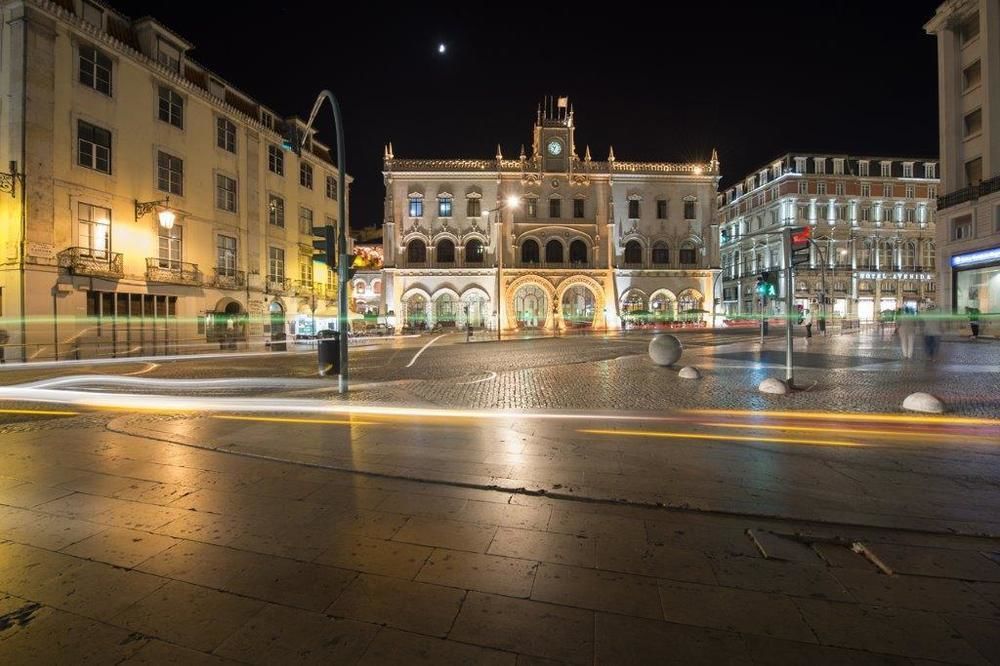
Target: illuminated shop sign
[
  {"x": 979, "y": 257},
  {"x": 862, "y": 275}
]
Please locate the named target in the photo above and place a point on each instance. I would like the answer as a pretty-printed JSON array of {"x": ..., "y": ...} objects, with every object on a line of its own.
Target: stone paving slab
[{"x": 510, "y": 579}]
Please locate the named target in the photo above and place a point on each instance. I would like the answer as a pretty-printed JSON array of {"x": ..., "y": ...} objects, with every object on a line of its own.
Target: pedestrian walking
[
  {"x": 807, "y": 319},
  {"x": 932, "y": 331},
  {"x": 906, "y": 327},
  {"x": 973, "y": 321}
]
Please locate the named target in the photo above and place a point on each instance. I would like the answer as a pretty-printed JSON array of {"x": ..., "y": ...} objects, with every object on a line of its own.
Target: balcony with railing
[
  {"x": 304, "y": 287},
  {"x": 91, "y": 262},
  {"x": 229, "y": 278},
  {"x": 277, "y": 284},
  {"x": 970, "y": 193},
  {"x": 172, "y": 271}
]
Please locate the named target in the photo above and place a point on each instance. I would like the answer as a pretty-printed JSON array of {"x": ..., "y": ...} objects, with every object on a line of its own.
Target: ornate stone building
[
  {"x": 872, "y": 219},
  {"x": 558, "y": 239},
  {"x": 156, "y": 210},
  {"x": 968, "y": 40}
]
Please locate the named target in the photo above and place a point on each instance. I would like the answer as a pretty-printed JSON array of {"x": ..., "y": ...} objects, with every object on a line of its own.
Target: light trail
[
  {"x": 850, "y": 416},
  {"x": 898, "y": 434},
  {"x": 149, "y": 367},
  {"x": 275, "y": 419},
  {"x": 720, "y": 438},
  {"x": 422, "y": 349},
  {"x": 40, "y": 412}
]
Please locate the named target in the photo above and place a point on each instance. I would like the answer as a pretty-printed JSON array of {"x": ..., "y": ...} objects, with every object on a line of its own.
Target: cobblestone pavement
[{"x": 120, "y": 549}]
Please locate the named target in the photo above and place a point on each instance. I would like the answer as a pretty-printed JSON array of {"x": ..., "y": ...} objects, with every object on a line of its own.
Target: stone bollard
[
  {"x": 689, "y": 372},
  {"x": 665, "y": 349},
  {"x": 923, "y": 402},
  {"x": 772, "y": 385}
]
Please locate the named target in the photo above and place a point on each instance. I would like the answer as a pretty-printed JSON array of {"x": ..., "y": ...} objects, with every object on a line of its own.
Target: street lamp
[
  {"x": 164, "y": 215},
  {"x": 512, "y": 201}
]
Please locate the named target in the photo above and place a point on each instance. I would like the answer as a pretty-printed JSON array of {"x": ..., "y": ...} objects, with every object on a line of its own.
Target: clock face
[{"x": 554, "y": 147}]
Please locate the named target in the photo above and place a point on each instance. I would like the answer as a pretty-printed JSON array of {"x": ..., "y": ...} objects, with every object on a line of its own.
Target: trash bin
[{"x": 329, "y": 354}]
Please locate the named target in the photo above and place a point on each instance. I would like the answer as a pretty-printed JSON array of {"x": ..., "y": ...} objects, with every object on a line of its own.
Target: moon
[{"x": 442, "y": 48}]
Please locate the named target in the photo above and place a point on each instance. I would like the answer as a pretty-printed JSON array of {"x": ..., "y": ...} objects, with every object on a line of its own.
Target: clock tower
[{"x": 553, "y": 136}]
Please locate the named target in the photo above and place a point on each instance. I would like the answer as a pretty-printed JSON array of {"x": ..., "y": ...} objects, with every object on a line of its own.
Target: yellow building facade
[{"x": 154, "y": 209}]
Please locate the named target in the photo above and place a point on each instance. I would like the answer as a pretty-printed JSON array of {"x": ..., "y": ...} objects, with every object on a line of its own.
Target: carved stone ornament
[{"x": 555, "y": 182}]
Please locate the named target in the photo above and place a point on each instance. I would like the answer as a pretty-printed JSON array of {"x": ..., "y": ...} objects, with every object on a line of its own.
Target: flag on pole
[{"x": 563, "y": 102}]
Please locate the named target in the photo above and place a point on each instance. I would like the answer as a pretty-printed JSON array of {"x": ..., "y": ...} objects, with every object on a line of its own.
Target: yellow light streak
[
  {"x": 721, "y": 438},
  {"x": 39, "y": 412},
  {"x": 277, "y": 419},
  {"x": 847, "y": 416},
  {"x": 934, "y": 436}
]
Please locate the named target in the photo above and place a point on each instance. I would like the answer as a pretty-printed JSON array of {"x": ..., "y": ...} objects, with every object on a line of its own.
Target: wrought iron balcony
[
  {"x": 304, "y": 288},
  {"x": 228, "y": 278},
  {"x": 970, "y": 193},
  {"x": 278, "y": 285},
  {"x": 96, "y": 263},
  {"x": 171, "y": 271}
]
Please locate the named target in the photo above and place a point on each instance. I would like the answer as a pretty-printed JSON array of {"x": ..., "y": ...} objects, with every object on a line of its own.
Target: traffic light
[
  {"x": 725, "y": 236},
  {"x": 291, "y": 137},
  {"x": 765, "y": 285},
  {"x": 324, "y": 247},
  {"x": 800, "y": 246}
]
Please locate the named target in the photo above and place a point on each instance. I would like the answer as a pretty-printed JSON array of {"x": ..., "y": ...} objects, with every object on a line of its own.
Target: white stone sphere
[
  {"x": 664, "y": 349},
  {"x": 923, "y": 402},
  {"x": 772, "y": 385},
  {"x": 689, "y": 372}
]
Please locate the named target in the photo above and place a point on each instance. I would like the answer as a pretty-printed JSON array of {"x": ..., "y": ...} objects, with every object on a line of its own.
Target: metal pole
[
  {"x": 342, "y": 258},
  {"x": 822, "y": 269},
  {"x": 499, "y": 251},
  {"x": 787, "y": 251}
]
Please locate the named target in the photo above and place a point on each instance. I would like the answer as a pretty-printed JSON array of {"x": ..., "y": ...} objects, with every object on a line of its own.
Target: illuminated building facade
[
  {"x": 968, "y": 40},
  {"x": 560, "y": 241},
  {"x": 872, "y": 219},
  {"x": 158, "y": 212}
]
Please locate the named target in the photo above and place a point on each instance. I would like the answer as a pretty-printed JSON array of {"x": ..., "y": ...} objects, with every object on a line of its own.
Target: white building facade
[
  {"x": 872, "y": 220},
  {"x": 968, "y": 38},
  {"x": 112, "y": 124},
  {"x": 550, "y": 241}
]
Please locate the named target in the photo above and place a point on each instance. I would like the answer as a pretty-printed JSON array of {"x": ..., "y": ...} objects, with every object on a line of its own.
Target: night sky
[{"x": 754, "y": 80}]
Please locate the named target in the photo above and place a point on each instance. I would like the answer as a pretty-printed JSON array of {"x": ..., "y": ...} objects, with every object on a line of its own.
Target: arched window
[
  {"x": 866, "y": 257},
  {"x": 633, "y": 252},
  {"x": 529, "y": 252},
  {"x": 927, "y": 256},
  {"x": 689, "y": 254},
  {"x": 416, "y": 252},
  {"x": 360, "y": 287},
  {"x": 578, "y": 252},
  {"x": 553, "y": 252},
  {"x": 661, "y": 253},
  {"x": 474, "y": 251},
  {"x": 377, "y": 287},
  {"x": 445, "y": 309},
  {"x": 445, "y": 252},
  {"x": 909, "y": 255},
  {"x": 885, "y": 256},
  {"x": 633, "y": 302}
]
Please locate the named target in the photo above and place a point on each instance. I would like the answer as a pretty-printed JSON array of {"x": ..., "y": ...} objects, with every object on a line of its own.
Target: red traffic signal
[{"x": 802, "y": 235}]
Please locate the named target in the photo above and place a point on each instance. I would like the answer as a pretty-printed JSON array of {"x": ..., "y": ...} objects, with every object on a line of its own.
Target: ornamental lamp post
[{"x": 512, "y": 201}]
